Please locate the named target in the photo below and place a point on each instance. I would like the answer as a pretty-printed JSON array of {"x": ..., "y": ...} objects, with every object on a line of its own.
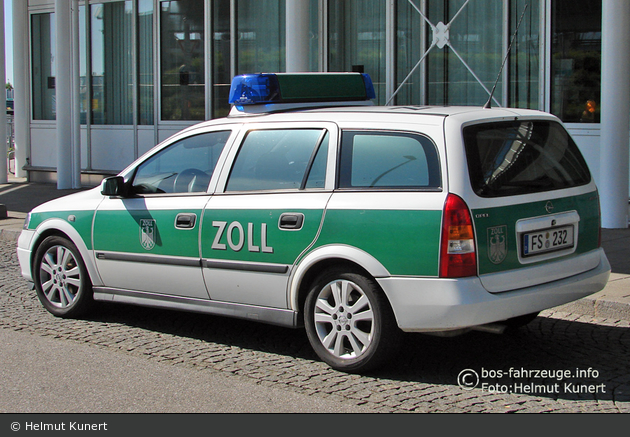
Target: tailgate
[{"x": 536, "y": 216}]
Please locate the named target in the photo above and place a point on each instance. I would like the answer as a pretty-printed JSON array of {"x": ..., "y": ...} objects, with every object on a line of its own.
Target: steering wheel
[{"x": 191, "y": 180}]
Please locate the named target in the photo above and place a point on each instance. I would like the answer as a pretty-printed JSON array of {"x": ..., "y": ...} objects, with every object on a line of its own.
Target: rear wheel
[
  {"x": 349, "y": 322},
  {"x": 61, "y": 280}
]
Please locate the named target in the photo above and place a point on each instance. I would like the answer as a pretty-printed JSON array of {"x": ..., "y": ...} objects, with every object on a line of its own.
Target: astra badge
[
  {"x": 147, "y": 233},
  {"x": 497, "y": 244}
]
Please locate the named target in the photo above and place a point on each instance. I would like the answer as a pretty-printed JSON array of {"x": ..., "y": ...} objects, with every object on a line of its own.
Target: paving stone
[{"x": 422, "y": 379}]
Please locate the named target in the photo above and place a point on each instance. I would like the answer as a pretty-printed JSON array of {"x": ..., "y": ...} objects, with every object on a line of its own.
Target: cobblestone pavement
[{"x": 594, "y": 353}]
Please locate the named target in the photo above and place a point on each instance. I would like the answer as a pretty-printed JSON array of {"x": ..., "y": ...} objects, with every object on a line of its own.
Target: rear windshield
[{"x": 522, "y": 157}]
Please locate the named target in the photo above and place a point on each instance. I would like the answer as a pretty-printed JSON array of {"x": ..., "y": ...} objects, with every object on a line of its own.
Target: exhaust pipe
[{"x": 492, "y": 328}]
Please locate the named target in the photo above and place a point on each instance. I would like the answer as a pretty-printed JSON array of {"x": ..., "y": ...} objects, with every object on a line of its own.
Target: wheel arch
[
  {"x": 324, "y": 257},
  {"x": 62, "y": 228}
]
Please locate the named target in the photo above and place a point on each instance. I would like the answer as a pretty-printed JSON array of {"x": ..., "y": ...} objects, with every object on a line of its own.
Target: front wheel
[
  {"x": 349, "y": 322},
  {"x": 61, "y": 280}
]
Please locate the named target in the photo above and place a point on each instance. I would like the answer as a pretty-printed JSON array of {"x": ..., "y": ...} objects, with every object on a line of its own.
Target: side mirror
[{"x": 114, "y": 186}]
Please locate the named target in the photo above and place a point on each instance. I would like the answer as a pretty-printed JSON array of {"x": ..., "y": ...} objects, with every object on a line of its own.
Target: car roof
[{"x": 408, "y": 113}]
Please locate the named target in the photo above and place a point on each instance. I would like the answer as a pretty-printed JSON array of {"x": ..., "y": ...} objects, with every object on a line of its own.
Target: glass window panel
[
  {"x": 356, "y": 40},
  {"x": 524, "y": 61},
  {"x": 514, "y": 158},
  {"x": 409, "y": 50},
  {"x": 273, "y": 159},
  {"x": 314, "y": 32},
  {"x": 43, "y": 40},
  {"x": 145, "y": 62},
  {"x": 185, "y": 166},
  {"x": 576, "y": 31},
  {"x": 261, "y": 36},
  {"x": 477, "y": 36},
  {"x": 317, "y": 173},
  {"x": 84, "y": 96},
  {"x": 384, "y": 160},
  {"x": 182, "y": 60},
  {"x": 221, "y": 76},
  {"x": 112, "y": 75}
]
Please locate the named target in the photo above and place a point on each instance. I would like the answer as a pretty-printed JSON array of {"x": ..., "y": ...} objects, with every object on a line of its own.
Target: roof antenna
[{"x": 488, "y": 104}]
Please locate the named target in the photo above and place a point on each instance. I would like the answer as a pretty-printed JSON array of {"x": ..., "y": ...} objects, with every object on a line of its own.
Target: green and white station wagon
[{"x": 310, "y": 207}]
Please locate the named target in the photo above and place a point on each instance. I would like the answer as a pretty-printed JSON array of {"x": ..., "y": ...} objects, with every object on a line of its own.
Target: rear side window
[
  {"x": 522, "y": 157},
  {"x": 371, "y": 159}
]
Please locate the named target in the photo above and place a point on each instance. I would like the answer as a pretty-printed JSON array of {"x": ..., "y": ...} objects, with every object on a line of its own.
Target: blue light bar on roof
[{"x": 255, "y": 89}]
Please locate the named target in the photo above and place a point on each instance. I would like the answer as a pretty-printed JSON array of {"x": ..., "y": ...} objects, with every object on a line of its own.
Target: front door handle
[
  {"x": 185, "y": 221},
  {"x": 291, "y": 220}
]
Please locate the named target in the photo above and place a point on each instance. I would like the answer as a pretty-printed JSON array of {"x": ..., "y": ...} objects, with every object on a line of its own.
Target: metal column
[
  {"x": 297, "y": 36},
  {"x": 615, "y": 114},
  {"x": 67, "y": 165},
  {"x": 3, "y": 104},
  {"x": 21, "y": 85}
]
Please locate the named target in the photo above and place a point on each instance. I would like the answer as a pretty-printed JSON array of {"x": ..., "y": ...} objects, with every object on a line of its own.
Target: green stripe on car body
[
  {"x": 239, "y": 235},
  {"x": 507, "y": 216},
  {"x": 82, "y": 222},
  {"x": 120, "y": 231},
  {"x": 405, "y": 242}
]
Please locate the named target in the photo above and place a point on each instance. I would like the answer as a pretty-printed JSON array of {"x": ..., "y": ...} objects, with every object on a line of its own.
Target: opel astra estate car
[{"x": 310, "y": 207}]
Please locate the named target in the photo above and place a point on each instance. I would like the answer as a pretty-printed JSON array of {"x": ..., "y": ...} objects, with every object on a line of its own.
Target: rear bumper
[{"x": 434, "y": 304}]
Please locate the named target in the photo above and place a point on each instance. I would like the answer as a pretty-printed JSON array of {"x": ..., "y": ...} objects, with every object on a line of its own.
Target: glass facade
[
  {"x": 463, "y": 66},
  {"x": 146, "y": 62},
  {"x": 576, "y": 28},
  {"x": 112, "y": 70},
  {"x": 457, "y": 74},
  {"x": 43, "y": 60},
  {"x": 221, "y": 57},
  {"x": 182, "y": 60},
  {"x": 260, "y": 41},
  {"x": 524, "y": 58},
  {"x": 356, "y": 39}
]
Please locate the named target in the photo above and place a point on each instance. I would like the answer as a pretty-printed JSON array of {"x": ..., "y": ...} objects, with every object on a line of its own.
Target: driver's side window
[{"x": 185, "y": 166}]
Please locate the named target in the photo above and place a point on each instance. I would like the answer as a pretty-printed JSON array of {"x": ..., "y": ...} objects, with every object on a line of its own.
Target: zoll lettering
[{"x": 236, "y": 235}]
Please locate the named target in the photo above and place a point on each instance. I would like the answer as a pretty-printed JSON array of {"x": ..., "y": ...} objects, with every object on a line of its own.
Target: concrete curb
[{"x": 613, "y": 302}]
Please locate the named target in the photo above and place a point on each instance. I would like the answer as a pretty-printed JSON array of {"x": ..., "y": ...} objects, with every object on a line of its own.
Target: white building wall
[{"x": 587, "y": 139}]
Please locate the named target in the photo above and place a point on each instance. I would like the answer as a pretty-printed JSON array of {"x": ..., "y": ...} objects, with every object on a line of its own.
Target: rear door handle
[
  {"x": 185, "y": 221},
  {"x": 291, "y": 220}
]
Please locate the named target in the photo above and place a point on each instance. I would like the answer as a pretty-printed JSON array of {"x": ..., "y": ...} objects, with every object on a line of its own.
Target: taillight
[{"x": 457, "y": 253}]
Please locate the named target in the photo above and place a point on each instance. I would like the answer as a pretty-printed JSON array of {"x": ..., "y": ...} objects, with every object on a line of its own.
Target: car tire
[
  {"x": 349, "y": 322},
  {"x": 62, "y": 282}
]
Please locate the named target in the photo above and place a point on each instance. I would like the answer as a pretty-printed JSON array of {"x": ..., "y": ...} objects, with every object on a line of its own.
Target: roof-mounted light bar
[{"x": 288, "y": 88}]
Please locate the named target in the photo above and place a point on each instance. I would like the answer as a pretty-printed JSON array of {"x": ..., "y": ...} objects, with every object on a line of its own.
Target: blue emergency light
[{"x": 266, "y": 88}]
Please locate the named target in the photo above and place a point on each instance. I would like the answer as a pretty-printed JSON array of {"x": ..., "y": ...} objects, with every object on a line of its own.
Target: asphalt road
[
  {"x": 45, "y": 374},
  {"x": 131, "y": 359}
]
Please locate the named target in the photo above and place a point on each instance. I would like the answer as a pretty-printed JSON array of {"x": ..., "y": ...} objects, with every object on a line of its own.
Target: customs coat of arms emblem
[
  {"x": 497, "y": 244},
  {"x": 147, "y": 233}
]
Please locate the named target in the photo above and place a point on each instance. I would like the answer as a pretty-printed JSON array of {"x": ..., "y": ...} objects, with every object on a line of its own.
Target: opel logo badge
[{"x": 549, "y": 207}]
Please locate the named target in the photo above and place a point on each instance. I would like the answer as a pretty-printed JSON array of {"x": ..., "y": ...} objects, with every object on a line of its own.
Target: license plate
[{"x": 547, "y": 240}]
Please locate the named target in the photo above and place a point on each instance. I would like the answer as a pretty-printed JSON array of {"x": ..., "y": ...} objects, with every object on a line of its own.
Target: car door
[
  {"x": 149, "y": 240},
  {"x": 267, "y": 210}
]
